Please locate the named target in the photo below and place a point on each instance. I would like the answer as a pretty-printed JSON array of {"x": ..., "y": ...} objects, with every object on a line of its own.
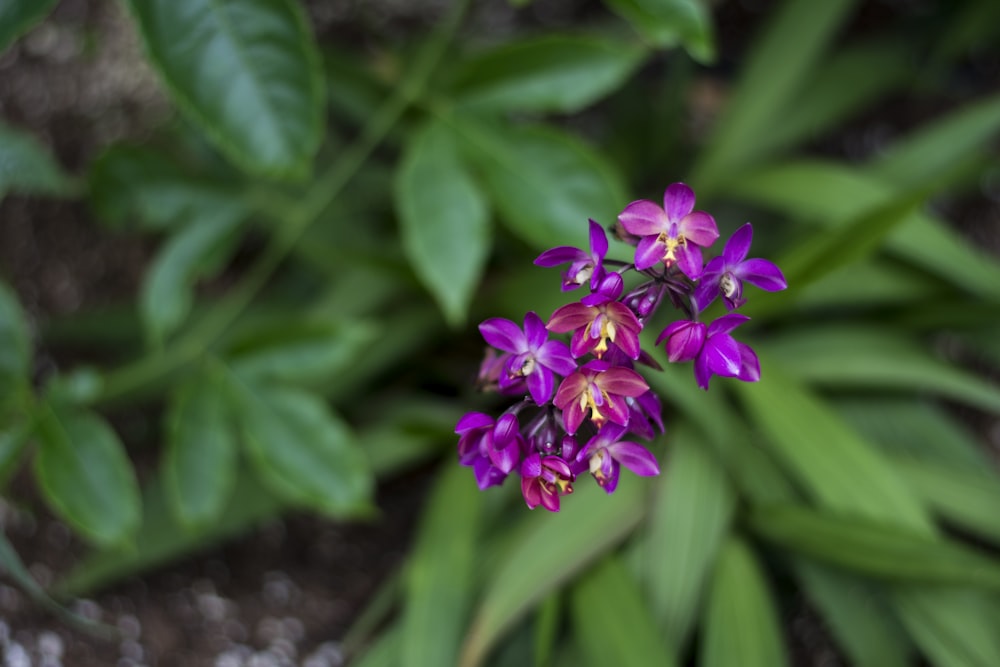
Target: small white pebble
[
  {"x": 16, "y": 656},
  {"x": 50, "y": 645}
]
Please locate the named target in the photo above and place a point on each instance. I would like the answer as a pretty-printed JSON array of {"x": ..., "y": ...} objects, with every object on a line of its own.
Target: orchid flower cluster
[{"x": 602, "y": 403}]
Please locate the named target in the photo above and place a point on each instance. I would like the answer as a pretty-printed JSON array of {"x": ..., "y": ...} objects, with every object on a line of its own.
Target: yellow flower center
[{"x": 671, "y": 243}]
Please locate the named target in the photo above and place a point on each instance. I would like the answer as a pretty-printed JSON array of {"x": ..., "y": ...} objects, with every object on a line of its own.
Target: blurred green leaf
[
  {"x": 384, "y": 652},
  {"x": 953, "y": 627},
  {"x": 612, "y": 622},
  {"x": 144, "y": 182},
  {"x": 301, "y": 450},
  {"x": 562, "y": 73},
  {"x": 870, "y": 283},
  {"x": 938, "y": 147},
  {"x": 547, "y": 550},
  {"x": 544, "y": 182},
  {"x": 859, "y": 620},
  {"x": 353, "y": 87},
  {"x": 444, "y": 218},
  {"x": 781, "y": 61},
  {"x": 199, "y": 467},
  {"x": 304, "y": 350},
  {"x": 16, "y": 18},
  {"x": 832, "y": 195},
  {"x": 740, "y": 622},
  {"x": 14, "y": 440},
  {"x": 877, "y": 549},
  {"x": 919, "y": 429},
  {"x": 15, "y": 345},
  {"x": 689, "y": 519},
  {"x": 86, "y": 476},
  {"x": 440, "y": 571},
  {"x": 869, "y": 357},
  {"x": 193, "y": 252},
  {"x": 966, "y": 499},
  {"x": 26, "y": 167},
  {"x": 667, "y": 23},
  {"x": 248, "y": 73},
  {"x": 833, "y": 463}
]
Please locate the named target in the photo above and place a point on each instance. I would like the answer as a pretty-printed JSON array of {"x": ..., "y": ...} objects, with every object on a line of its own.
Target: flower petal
[
  {"x": 487, "y": 474},
  {"x": 622, "y": 381},
  {"x": 598, "y": 241},
  {"x": 531, "y": 491},
  {"x": 643, "y": 218},
  {"x": 503, "y": 335},
  {"x": 556, "y": 356},
  {"x": 649, "y": 251},
  {"x": 722, "y": 355},
  {"x": 571, "y": 316},
  {"x": 700, "y": 228},
  {"x": 535, "y": 333},
  {"x": 738, "y": 245},
  {"x": 540, "y": 384},
  {"x": 763, "y": 274},
  {"x": 635, "y": 457},
  {"x": 678, "y": 201},
  {"x": 689, "y": 260},
  {"x": 560, "y": 255},
  {"x": 749, "y": 364},
  {"x": 726, "y": 323},
  {"x": 471, "y": 420}
]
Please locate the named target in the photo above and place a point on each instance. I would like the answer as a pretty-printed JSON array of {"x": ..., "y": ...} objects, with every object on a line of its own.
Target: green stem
[{"x": 199, "y": 338}]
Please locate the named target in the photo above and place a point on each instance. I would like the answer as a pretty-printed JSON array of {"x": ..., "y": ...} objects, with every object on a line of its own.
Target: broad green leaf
[
  {"x": 781, "y": 62},
  {"x": 304, "y": 351},
  {"x": 247, "y": 72},
  {"x": 354, "y": 88},
  {"x": 86, "y": 476},
  {"x": 562, "y": 73},
  {"x": 832, "y": 195},
  {"x": 444, "y": 219},
  {"x": 667, "y": 23},
  {"x": 544, "y": 182},
  {"x": 874, "y": 548},
  {"x": 15, "y": 345},
  {"x": 26, "y": 167},
  {"x": 918, "y": 429},
  {"x": 952, "y": 627},
  {"x": 166, "y": 296},
  {"x": 301, "y": 450},
  {"x": 740, "y": 622},
  {"x": 869, "y": 283},
  {"x": 612, "y": 622},
  {"x": 17, "y": 17},
  {"x": 440, "y": 572},
  {"x": 860, "y": 622},
  {"x": 867, "y": 357},
  {"x": 967, "y": 499},
  {"x": 689, "y": 519},
  {"x": 547, "y": 550},
  {"x": 199, "y": 468},
  {"x": 835, "y": 466},
  {"x": 143, "y": 187},
  {"x": 938, "y": 147},
  {"x": 384, "y": 652}
]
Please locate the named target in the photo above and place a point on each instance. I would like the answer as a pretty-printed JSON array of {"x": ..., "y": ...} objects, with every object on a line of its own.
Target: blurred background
[{"x": 244, "y": 248}]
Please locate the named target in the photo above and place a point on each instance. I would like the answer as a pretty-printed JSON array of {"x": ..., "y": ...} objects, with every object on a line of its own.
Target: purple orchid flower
[
  {"x": 491, "y": 448},
  {"x": 645, "y": 415},
  {"x": 600, "y": 388},
  {"x": 725, "y": 274},
  {"x": 714, "y": 351},
  {"x": 607, "y": 452},
  {"x": 583, "y": 266},
  {"x": 672, "y": 234},
  {"x": 685, "y": 339},
  {"x": 533, "y": 357},
  {"x": 595, "y": 327},
  {"x": 544, "y": 479}
]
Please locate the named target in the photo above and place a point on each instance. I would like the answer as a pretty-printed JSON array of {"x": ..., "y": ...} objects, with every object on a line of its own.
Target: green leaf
[
  {"x": 548, "y": 550},
  {"x": 305, "y": 351},
  {"x": 301, "y": 450},
  {"x": 142, "y": 185},
  {"x": 247, "y": 72},
  {"x": 836, "y": 467},
  {"x": 953, "y": 627},
  {"x": 86, "y": 476},
  {"x": 199, "y": 467},
  {"x": 666, "y": 23},
  {"x": 874, "y": 548},
  {"x": 780, "y": 63},
  {"x": 690, "y": 516},
  {"x": 562, "y": 73},
  {"x": 740, "y": 622},
  {"x": 440, "y": 573},
  {"x": 967, "y": 499},
  {"x": 871, "y": 283},
  {"x": 444, "y": 219},
  {"x": 544, "y": 182},
  {"x": 867, "y": 357},
  {"x": 611, "y": 620},
  {"x": 860, "y": 622},
  {"x": 14, "y": 440},
  {"x": 26, "y": 167},
  {"x": 166, "y": 296},
  {"x": 15, "y": 345},
  {"x": 938, "y": 147},
  {"x": 17, "y": 17}
]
